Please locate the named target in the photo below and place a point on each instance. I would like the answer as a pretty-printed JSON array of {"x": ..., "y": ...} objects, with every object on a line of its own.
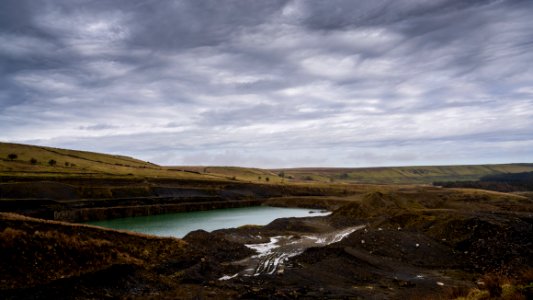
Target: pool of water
[{"x": 179, "y": 224}]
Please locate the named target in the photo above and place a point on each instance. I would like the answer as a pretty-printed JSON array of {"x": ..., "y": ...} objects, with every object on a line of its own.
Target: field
[
  {"x": 90, "y": 164},
  {"x": 402, "y": 175},
  {"x": 71, "y": 163}
]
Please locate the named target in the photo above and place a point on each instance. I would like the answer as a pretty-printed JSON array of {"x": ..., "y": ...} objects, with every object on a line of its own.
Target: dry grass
[
  {"x": 236, "y": 173},
  {"x": 403, "y": 175},
  {"x": 496, "y": 286},
  {"x": 36, "y": 251},
  {"x": 79, "y": 163},
  {"x": 83, "y": 163}
]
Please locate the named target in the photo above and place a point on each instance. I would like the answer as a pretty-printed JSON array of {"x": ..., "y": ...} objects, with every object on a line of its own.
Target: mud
[{"x": 272, "y": 256}]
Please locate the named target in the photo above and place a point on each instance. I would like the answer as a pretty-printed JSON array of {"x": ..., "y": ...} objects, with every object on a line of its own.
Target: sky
[{"x": 278, "y": 83}]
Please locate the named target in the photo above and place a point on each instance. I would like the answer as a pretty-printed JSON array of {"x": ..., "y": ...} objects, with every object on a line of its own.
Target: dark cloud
[
  {"x": 174, "y": 25},
  {"x": 271, "y": 83}
]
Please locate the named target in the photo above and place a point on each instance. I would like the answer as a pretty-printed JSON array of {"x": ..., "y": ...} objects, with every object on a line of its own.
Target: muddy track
[{"x": 273, "y": 256}]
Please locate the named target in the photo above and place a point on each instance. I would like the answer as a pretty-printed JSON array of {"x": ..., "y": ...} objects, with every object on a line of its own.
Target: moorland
[{"x": 391, "y": 234}]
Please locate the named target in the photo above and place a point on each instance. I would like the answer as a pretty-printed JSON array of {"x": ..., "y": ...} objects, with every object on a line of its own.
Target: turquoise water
[{"x": 179, "y": 224}]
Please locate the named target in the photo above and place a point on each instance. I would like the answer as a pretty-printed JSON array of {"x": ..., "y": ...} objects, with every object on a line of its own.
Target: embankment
[
  {"x": 86, "y": 199},
  {"x": 106, "y": 213}
]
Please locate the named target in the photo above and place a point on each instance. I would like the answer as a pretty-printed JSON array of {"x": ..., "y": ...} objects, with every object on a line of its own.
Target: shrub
[
  {"x": 12, "y": 156},
  {"x": 52, "y": 162},
  {"x": 493, "y": 283},
  {"x": 33, "y": 161}
]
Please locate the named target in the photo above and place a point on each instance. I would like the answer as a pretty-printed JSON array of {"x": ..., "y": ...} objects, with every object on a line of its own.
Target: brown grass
[
  {"x": 497, "y": 286},
  {"x": 36, "y": 251}
]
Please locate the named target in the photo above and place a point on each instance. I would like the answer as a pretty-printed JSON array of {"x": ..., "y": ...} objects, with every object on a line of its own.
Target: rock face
[
  {"x": 87, "y": 199},
  {"x": 124, "y": 211}
]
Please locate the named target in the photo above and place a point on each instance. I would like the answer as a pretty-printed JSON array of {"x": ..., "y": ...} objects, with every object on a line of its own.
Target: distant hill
[
  {"x": 29, "y": 160},
  {"x": 238, "y": 173},
  {"x": 34, "y": 161},
  {"x": 508, "y": 182},
  {"x": 401, "y": 175}
]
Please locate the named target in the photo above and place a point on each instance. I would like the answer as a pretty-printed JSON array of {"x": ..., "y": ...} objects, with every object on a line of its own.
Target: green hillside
[
  {"x": 402, "y": 175},
  {"x": 77, "y": 163},
  {"x": 237, "y": 173},
  {"x": 35, "y": 161},
  {"x": 84, "y": 163}
]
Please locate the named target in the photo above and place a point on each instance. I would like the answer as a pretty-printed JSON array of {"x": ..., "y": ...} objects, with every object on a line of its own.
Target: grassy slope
[
  {"x": 85, "y": 164},
  {"x": 382, "y": 175},
  {"x": 240, "y": 173},
  {"x": 68, "y": 250},
  {"x": 104, "y": 165},
  {"x": 403, "y": 175},
  {"x": 97, "y": 164}
]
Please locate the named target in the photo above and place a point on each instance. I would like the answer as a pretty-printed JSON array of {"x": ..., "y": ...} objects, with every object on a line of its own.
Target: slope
[
  {"x": 53, "y": 162},
  {"x": 402, "y": 175}
]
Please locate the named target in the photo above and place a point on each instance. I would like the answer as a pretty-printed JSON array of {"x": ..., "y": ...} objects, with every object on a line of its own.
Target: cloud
[
  {"x": 271, "y": 84},
  {"x": 97, "y": 127}
]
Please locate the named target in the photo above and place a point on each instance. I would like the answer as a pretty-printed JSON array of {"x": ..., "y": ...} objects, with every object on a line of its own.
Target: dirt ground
[{"x": 404, "y": 245}]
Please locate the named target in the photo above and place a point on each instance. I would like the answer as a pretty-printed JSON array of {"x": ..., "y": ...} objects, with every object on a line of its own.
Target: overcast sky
[{"x": 271, "y": 83}]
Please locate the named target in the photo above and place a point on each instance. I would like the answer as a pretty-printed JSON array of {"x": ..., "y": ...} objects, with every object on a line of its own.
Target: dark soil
[{"x": 424, "y": 244}]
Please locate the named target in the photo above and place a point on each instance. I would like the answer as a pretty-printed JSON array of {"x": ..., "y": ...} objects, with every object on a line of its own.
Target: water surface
[{"x": 179, "y": 224}]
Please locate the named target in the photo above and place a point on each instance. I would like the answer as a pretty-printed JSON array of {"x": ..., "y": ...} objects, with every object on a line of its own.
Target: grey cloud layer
[{"x": 271, "y": 83}]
